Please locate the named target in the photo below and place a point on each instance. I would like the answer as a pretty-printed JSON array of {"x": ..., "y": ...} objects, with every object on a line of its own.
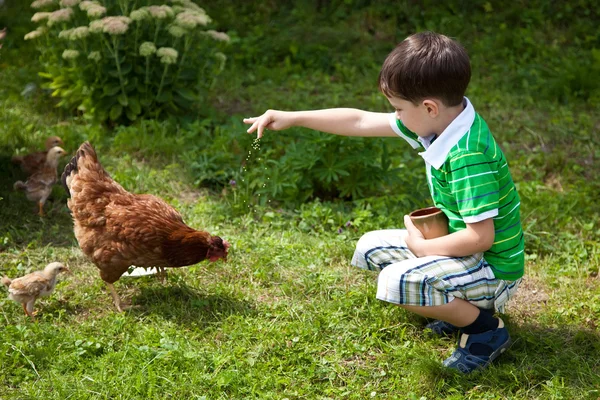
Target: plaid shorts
[{"x": 429, "y": 281}]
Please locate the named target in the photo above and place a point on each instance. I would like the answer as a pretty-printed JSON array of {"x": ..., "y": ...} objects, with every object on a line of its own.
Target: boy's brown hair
[{"x": 426, "y": 64}]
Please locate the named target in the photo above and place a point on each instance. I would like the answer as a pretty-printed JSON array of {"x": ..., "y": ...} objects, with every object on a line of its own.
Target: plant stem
[
  {"x": 147, "y": 70},
  {"x": 116, "y": 54},
  {"x": 162, "y": 80},
  {"x": 156, "y": 32},
  {"x": 186, "y": 46}
]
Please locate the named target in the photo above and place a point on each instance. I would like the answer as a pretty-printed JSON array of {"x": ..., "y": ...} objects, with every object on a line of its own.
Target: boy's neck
[{"x": 446, "y": 116}]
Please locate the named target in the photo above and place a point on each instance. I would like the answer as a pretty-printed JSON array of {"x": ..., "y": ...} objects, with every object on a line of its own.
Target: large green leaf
[
  {"x": 122, "y": 98},
  {"x": 131, "y": 115},
  {"x": 146, "y": 101},
  {"x": 111, "y": 90},
  {"x": 164, "y": 97},
  {"x": 115, "y": 112},
  {"x": 182, "y": 101},
  {"x": 134, "y": 105},
  {"x": 126, "y": 68},
  {"x": 187, "y": 94}
]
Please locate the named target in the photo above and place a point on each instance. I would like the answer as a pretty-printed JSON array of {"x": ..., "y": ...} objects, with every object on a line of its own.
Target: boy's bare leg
[{"x": 458, "y": 312}]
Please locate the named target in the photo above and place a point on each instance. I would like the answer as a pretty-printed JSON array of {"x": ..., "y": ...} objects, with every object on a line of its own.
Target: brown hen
[
  {"x": 33, "y": 162},
  {"x": 118, "y": 229}
]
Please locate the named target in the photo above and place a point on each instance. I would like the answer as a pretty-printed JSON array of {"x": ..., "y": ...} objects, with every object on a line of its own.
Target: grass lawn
[{"x": 287, "y": 316}]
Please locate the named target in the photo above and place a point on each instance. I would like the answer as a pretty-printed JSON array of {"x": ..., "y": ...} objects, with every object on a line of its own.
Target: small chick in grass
[
  {"x": 33, "y": 162},
  {"x": 27, "y": 289},
  {"x": 39, "y": 185}
]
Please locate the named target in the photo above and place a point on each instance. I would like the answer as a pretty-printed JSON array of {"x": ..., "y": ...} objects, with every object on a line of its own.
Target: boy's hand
[
  {"x": 415, "y": 239},
  {"x": 272, "y": 119}
]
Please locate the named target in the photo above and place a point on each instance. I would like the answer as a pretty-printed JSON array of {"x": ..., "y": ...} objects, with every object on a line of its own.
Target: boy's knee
[{"x": 367, "y": 242}]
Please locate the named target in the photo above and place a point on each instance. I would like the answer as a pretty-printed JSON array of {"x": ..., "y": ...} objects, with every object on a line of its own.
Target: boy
[{"x": 459, "y": 279}]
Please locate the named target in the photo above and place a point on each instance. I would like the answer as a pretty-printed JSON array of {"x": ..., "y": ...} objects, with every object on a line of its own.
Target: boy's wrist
[{"x": 296, "y": 118}]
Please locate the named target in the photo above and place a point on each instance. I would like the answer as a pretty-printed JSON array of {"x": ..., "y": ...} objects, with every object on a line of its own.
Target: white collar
[{"x": 437, "y": 152}]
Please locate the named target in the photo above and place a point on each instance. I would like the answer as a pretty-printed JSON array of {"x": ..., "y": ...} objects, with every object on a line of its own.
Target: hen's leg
[
  {"x": 162, "y": 274},
  {"x": 25, "y": 309},
  {"x": 29, "y": 309},
  {"x": 115, "y": 296},
  {"x": 41, "y": 208}
]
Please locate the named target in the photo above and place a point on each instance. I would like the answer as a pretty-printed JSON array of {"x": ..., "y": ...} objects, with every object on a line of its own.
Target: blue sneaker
[
  {"x": 463, "y": 360},
  {"x": 442, "y": 328}
]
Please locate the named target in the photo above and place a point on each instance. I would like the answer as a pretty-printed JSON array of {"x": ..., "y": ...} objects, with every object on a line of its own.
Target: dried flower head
[
  {"x": 95, "y": 56},
  {"x": 115, "y": 25},
  {"x": 141, "y": 14},
  {"x": 96, "y": 11},
  {"x": 41, "y": 3},
  {"x": 62, "y": 15},
  {"x": 40, "y": 16},
  {"x": 147, "y": 49},
  {"x": 70, "y": 54},
  {"x": 84, "y": 5},
  {"x": 35, "y": 34},
  {"x": 160, "y": 12},
  {"x": 168, "y": 55},
  {"x": 187, "y": 4},
  {"x": 69, "y": 3},
  {"x": 96, "y": 26},
  {"x": 177, "y": 31},
  {"x": 66, "y": 34},
  {"x": 80, "y": 32},
  {"x": 221, "y": 57},
  {"x": 219, "y": 36},
  {"x": 190, "y": 19}
]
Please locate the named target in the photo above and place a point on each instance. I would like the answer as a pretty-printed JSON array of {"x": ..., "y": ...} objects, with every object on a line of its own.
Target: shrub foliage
[{"x": 122, "y": 60}]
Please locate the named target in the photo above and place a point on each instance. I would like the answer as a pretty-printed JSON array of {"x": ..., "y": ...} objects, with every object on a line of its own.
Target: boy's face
[{"x": 416, "y": 118}]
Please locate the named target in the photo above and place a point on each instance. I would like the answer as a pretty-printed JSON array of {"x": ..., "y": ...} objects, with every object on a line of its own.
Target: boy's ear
[{"x": 432, "y": 107}]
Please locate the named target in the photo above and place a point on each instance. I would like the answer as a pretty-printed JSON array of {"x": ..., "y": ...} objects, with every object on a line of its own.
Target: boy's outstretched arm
[
  {"x": 339, "y": 121},
  {"x": 475, "y": 238}
]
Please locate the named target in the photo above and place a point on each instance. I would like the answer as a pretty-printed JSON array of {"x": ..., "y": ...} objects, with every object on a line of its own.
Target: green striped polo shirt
[{"x": 469, "y": 180}]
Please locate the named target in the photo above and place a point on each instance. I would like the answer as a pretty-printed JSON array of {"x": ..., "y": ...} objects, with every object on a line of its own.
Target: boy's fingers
[
  {"x": 408, "y": 223},
  {"x": 261, "y": 129},
  {"x": 249, "y": 120},
  {"x": 252, "y": 128}
]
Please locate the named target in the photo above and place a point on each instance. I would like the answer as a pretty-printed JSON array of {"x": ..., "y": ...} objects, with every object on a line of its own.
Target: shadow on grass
[
  {"x": 19, "y": 223},
  {"x": 541, "y": 359},
  {"x": 184, "y": 304}
]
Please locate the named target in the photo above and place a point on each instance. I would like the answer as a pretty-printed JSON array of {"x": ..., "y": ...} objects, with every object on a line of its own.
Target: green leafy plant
[{"x": 115, "y": 62}]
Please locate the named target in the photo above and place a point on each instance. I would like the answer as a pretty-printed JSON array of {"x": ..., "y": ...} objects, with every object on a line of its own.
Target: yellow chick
[
  {"x": 39, "y": 185},
  {"x": 33, "y": 162},
  {"x": 28, "y": 288}
]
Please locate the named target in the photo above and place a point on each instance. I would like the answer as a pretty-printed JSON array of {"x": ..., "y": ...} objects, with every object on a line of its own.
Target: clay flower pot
[{"x": 431, "y": 221}]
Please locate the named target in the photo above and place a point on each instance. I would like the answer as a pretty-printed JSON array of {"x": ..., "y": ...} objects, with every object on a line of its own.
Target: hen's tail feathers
[
  {"x": 17, "y": 159},
  {"x": 85, "y": 150},
  {"x": 6, "y": 281},
  {"x": 19, "y": 185}
]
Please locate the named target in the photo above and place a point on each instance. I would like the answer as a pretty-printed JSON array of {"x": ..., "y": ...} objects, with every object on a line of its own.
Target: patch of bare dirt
[
  {"x": 189, "y": 196},
  {"x": 531, "y": 297}
]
